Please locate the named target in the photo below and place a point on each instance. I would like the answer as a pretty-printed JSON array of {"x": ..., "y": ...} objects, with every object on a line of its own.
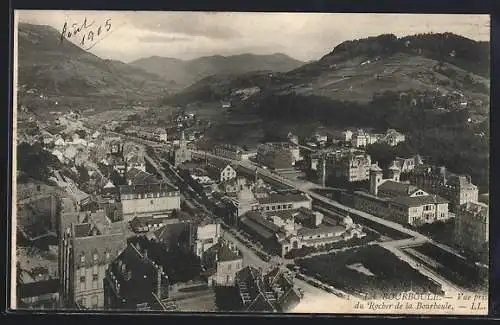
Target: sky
[{"x": 188, "y": 35}]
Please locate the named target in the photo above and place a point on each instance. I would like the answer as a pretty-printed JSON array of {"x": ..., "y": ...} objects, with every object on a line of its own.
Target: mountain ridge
[
  {"x": 186, "y": 72},
  {"x": 356, "y": 70},
  {"x": 63, "y": 69}
]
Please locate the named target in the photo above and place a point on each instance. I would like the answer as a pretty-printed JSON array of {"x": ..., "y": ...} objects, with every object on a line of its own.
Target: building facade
[
  {"x": 223, "y": 261},
  {"x": 285, "y": 201},
  {"x": 400, "y": 202},
  {"x": 87, "y": 245},
  {"x": 472, "y": 226},
  {"x": 228, "y": 151},
  {"x": 220, "y": 171},
  {"x": 457, "y": 189},
  {"x": 148, "y": 199},
  {"x": 350, "y": 166},
  {"x": 183, "y": 153}
]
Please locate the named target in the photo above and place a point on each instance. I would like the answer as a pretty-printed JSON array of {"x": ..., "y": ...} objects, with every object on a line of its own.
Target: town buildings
[
  {"x": 157, "y": 275},
  {"x": 148, "y": 199},
  {"x": 472, "y": 227},
  {"x": 406, "y": 165},
  {"x": 393, "y": 137},
  {"x": 278, "y": 155},
  {"x": 280, "y": 232},
  {"x": 135, "y": 282},
  {"x": 345, "y": 165},
  {"x": 283, "y": 201},
  {"x": 362, "y": 138},
  {"x": 220, "y": 171},
  {"x": 38, "y": 295},
  {"x": 149, "y": 133},
  {"x": 205, "y": 235},
  {"x": 135, "y": 161},
  {"x": 400, "y": 202},
  {"x": 270, "y": 292},
  {"x": 87, "y": 244},
  {"x": 457, "y": 189},
  {"x": 182, "y": 154},
  {"x": 228, "y": 151},
  {"x": 222, "y": 262}
]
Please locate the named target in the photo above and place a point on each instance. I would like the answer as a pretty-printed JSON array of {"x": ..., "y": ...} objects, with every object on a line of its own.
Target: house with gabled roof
[
  {"x": 270, "y": 292},
  {"x": 221, "y": 262},
  {"x": 399, "y": 201},
  {"x": 220, "y": 171},
  {"x": 88, "y": 243}
]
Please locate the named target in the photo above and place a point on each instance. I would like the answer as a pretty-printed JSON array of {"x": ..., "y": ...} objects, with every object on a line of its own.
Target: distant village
[{"x": 159, "y": 224}]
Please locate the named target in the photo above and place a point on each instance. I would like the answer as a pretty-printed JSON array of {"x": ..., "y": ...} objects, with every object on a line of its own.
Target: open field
[
  {"x": 381, "y": 272},
  {"x": 456, "y": 269}
]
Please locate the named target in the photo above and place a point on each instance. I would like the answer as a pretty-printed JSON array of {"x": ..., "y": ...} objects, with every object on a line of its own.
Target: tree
[
  {"x": 81, "y": 133},
  {"x": 83, "y": 175}
]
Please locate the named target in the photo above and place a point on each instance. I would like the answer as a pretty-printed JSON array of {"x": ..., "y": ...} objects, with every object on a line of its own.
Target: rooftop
[
  {"x": 283, "y": 198},
  {"x": 285, "y": 215},
  {"x": 105, "y": 246},
  {"x": 256, "y": 221},
  {"x": 398, "y": 187},
  {"x": 224, "y": 252},
  {"x": 39, "y": 288},
  {"x": 147, "y": 188},
  {"x": 139, "y": 177},
  {"x": 418, "y": 200},
  {"x": 321, "y": 230}
]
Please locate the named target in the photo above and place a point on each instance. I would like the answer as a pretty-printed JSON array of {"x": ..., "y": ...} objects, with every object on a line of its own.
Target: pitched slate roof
[
  {"x": 398, "y": 187},
  {"x": 147, "y": 188},
  {"x": 172, "y": 232},
  {"x": 418, "y": 200},
  {"x": 136, "y": 275},
  {"x": 282, "y": 198},
  {"x": 224, "y": 252},
  {"x": 82, "y": 230},
  {"x": 304, "y": 231},
  {"x": 100, "y": 245},
  {"x": 35, "y": 289},
  {"x": 256, "y": 221},
  {"x": 139, "y": 177},
  {"x": 285, "y": 215}
]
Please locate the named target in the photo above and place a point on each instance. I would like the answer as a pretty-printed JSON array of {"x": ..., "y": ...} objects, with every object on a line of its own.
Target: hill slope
[
  {"x": 65, "y": 70},
  {"x": 185, "y": 73},
  {"x": 356, "y": 70}
]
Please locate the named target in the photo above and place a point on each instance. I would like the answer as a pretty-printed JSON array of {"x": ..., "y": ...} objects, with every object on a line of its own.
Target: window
[
  {"x": 95, "y": 281},
  {"x": 151, "y": 202},
  {"x": 83, "y": 283},
  {"x": 95, "y": 301},
  {"x": 82, "y": 259},
  {"x": 95, "y": 257},
  {"x": 229, "y": 267}
]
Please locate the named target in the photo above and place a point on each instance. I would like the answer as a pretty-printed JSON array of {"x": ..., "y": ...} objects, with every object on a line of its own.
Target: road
[
  {"x": 450, "y": 289},
  {"x": 250, "y": 258},
  {"x": 394, "y": 246}
]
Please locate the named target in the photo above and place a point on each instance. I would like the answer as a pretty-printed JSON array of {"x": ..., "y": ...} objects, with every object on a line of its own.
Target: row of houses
[
  {"x": 149, "y": 133},
  {"x": 361, "y": 138}
]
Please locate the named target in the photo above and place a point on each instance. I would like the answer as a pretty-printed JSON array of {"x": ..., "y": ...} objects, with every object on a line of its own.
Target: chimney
[
  {"x": 145, "y": 253},
  {"x": 158, "y": 285}
]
